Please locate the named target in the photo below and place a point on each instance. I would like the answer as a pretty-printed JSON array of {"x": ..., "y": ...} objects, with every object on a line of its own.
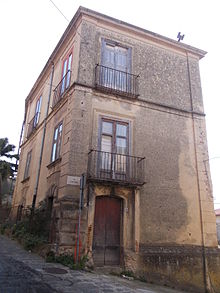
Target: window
[
  {"x": 37, "y": 112},
  {"x": 114, "y": 147},
  {"x": 56, "y": 142},
  {"x": 116, "y": 66},
  {"x": 66, "y": 73},
  {"x": 27, "y": 166}
]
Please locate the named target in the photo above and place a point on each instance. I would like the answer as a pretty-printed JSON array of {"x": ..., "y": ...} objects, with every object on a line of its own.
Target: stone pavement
[{"x": 25, "y": 272}]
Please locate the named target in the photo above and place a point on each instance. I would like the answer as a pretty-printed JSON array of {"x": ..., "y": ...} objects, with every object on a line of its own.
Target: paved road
[{"x": 24, "y": 272}]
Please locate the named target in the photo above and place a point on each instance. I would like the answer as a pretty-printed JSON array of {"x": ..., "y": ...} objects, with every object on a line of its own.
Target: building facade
[{"x": 123, "y": 106}]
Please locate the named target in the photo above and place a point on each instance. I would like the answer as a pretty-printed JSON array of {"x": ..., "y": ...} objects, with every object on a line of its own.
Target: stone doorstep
[{"x": 108, "y": 270}]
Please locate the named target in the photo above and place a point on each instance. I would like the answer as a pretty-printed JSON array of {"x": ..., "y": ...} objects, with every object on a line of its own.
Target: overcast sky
[{"x": 30, "y": 30}]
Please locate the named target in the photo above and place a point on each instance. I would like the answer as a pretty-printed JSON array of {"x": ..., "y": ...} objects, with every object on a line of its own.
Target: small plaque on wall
[{"x": 73, "y": 180}]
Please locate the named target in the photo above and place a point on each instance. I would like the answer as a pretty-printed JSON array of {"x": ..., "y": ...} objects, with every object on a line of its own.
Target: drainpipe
[
  {"x": 42, "y": 142},
  {"x": 82, "y": 186},
  {"x": 19, "y": 145},
  {"x": 198, "y": 184}
]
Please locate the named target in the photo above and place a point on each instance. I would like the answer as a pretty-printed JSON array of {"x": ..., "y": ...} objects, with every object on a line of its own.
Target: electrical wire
[
  {"x": 65, "y": 17},
  {"x": 59, "y": 10}
]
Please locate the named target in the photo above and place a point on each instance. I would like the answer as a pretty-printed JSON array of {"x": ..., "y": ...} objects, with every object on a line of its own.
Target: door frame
[
  {"x": 121, "y": 223},
  {"x": 91, "y": 221},
  {"x": 130, "y": 218}
]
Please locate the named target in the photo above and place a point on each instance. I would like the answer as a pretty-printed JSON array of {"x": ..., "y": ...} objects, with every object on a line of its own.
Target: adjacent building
[
  {"x": 123, "y": 106},
  {"x": 217, "y": 213}
]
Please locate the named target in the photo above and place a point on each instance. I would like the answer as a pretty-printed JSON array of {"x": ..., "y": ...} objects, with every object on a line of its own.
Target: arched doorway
[{"x": 106, "y": 235}]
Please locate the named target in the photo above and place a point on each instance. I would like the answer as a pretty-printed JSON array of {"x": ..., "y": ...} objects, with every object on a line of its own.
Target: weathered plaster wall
[{"x": 163, "y": 71}]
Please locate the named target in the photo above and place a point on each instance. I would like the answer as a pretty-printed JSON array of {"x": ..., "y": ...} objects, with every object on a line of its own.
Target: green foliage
[
  {"x": 7, "y": 168},
  {"x": 6, "y": 148},
  {"x": 67, "y": 260},
  {"x": 4, "y": 227},
  {"x": 33, "y": 230},
  {"x": 31, "y": 241},
  {"x": 50, "y": 257}
]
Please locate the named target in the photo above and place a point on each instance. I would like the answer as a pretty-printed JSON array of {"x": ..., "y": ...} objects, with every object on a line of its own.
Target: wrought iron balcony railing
[
  {"x": 61, "y": 88},
  {"x": 116, "y": 81},
  {"x": 33, "y": 124},
  {"x": 115, "y": 168}
]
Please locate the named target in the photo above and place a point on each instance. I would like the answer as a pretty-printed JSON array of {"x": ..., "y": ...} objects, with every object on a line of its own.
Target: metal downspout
[
  {"x": 42, "y": 142},
  {"x": 198, "y": 184}
]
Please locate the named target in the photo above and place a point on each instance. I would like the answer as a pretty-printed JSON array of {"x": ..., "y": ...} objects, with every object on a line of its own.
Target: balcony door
[
  {"x": 115, "y": 66},
  {"x": 114, "y": 149}
]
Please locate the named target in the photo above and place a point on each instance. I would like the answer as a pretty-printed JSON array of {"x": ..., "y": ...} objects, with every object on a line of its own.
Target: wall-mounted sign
[{"x": 73, "y": 180}]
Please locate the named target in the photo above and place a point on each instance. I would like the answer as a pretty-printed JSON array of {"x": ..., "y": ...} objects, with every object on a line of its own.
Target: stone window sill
[{"x": 54, "y": 163}]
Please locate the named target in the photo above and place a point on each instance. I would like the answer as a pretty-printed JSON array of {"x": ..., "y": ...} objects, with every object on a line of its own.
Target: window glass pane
[
  {"x": 64, "y": 68},
  {"x": 106, "y": 161},
  {"x": 27, "y": 167},
  {"x": 39, "y": 105},
  {"x": 63, "y": 78},
  {"x": 70, "y": 62},
  {"x": 58, "y": 148},
  {"x": 53, "y": 157},
  {"x": 121, "y": 130},
  {"x": 60, "y": 128},
  {"x": 56, "y": 133},
  {"x": 121, "y": 146},
  {"x": 106, "y": 145},
  {"x": 120, "y": 163},
  {"x": 68, "y": 74},
  {"x": 37, "y": 111},
  {"x": 68, "y": 79},
  {"x": 107, "y": 127},
  {"x": 56, "y": 143},
  {"x": 36, "y": 119}
]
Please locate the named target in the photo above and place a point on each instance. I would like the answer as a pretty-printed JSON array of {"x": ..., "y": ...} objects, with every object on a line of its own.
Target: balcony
[
  {"x": 116, "y": 81},
  {"x": 32, "y": 125},
  {"x": 105, "y": 167},
  {"x": 61, "y": 88}
]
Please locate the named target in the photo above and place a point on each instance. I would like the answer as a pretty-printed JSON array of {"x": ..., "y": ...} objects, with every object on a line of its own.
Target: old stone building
[{"x": 123, "y": 106}]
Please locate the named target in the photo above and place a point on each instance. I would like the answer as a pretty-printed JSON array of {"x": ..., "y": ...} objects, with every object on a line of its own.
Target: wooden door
[{"x": 106, "y": 238}]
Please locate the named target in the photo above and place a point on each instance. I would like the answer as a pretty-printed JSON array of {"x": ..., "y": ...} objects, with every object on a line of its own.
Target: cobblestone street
[{"x": 25, "y": 272}]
